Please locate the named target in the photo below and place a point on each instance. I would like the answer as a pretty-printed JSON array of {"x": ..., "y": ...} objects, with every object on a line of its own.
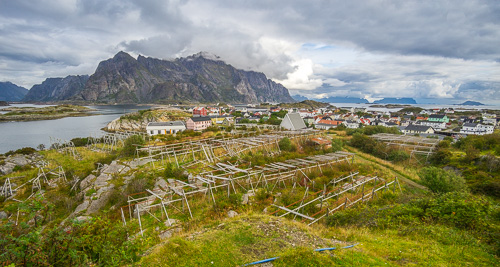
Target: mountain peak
[
  {"x": 205, "y": 55},
  {"x": 122, "y": 55}
]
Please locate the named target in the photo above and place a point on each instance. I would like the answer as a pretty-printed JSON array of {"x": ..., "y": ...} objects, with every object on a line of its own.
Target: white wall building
[
  {"x": 476, "y": 129},
  {"x": 293, "y": 121},
  {"x": 167, "y": 127}
]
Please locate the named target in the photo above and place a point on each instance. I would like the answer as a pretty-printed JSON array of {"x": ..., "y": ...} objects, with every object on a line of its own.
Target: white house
[
  {"x": 436, "y": 125},
  {"x": 476, "y": 129},
  {"x": 351, "y": 124},
  {"x": 293, "y": 121},
  {"x": 167, "y": 127},
  {"x": 417, "y": 129}
]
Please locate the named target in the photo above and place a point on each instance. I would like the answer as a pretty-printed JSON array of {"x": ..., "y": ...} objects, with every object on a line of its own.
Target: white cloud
[{"x": 302, "y": 77}]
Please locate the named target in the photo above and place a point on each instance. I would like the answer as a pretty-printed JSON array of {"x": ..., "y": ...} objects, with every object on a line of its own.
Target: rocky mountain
[
  {"x": 200, "y": 78},
  {"x": 56, "y": 89},
  {"x": 11, "y": 92}
]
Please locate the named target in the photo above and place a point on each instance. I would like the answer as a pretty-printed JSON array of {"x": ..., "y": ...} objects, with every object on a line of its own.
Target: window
[{"x": 152, "y": 132}]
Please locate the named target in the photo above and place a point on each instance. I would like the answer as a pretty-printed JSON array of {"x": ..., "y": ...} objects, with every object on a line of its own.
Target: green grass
[{"x": 250, "y": 237}]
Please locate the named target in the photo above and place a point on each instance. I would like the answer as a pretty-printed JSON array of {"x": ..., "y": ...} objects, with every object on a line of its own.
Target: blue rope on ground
[{"x": 275, "y": 258}]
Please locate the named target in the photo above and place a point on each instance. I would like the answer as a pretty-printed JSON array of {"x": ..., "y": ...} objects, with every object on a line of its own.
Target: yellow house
[{"x": 217, "y": 120}]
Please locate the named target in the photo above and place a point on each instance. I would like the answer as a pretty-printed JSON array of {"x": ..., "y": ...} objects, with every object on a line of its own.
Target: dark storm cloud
[{"x": 374, "y": 48}]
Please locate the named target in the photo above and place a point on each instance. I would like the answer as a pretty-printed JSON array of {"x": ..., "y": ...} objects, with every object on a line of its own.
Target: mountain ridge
[
  {"x": 197, "y": 78},
  {"x": 56, "y": 89}
]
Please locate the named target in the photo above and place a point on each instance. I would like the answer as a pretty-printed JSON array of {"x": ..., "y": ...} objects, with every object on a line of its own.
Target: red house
[{"x": 199, "y": 111}]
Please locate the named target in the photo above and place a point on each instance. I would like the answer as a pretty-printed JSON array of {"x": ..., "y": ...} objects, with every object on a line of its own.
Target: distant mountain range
[
  {"x": 396, "y": 101},
  {"x": 11, "y": 92},
  {"x": 356, "y": 100},
  {"x": 197, "y": 78},
  {"x": 333, "y": 99}
]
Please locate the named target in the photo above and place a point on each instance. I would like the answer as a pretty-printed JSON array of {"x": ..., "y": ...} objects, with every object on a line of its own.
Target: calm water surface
[{"x": 15, "y": 135}]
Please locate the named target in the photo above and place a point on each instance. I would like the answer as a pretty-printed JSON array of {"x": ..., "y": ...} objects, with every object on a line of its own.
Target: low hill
[
  {"x": 306, "y": 104},
  {"x": 472, "y": 103},
  {"x": 392, "y": 100}
]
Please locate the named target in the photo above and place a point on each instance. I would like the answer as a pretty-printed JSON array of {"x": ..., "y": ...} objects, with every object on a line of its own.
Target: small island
[
  {"x": 45, "y": 113},
  {"x": 471, "y": 103},
  {"x": 390, "y": 106}
]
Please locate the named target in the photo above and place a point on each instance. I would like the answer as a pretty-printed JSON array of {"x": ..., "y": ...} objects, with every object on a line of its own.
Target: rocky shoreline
[{"x": 137, "y": 121}]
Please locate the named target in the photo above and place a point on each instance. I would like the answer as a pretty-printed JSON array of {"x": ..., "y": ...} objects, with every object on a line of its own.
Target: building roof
[
  {"x": 293, "y": 121},
  {"x": 437, "y": 116},
  {"x": 417, "y": 128},
  {"x": 166, "y": 123},
  {"x": 470, "y": 124},
  {"x": 202, "y": 118},
  {"x": 329, "y": 122},
  {"x": 431, "y": 122},
  {"x": 220, "y": 116}
]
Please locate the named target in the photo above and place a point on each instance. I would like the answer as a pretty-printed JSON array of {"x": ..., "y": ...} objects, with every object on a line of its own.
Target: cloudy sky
[{"x": 430, "y": 50}]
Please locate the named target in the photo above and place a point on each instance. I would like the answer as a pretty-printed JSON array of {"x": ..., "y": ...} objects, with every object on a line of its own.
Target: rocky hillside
[
  {"x": 11, "y": 92},
  {"x": 137, "y": 121},
  {"x": 196, "y": 78},
  {"x": 56, "y": 89}
]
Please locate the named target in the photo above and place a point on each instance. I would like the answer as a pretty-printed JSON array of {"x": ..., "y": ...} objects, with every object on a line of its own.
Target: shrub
[
  {"x": 441, "y": 181},
  {"x": 172, "y": 171},
  {"x": 24, "y": 151},
  {"x": 441, "y": 156},
  {"x": 130, "y": 143},
  {"x": 444, "y": 144},
  {"x": 261, "y": 194},
  {"x": 398, "y": 155},
  {"x": 80, "y": 141},
  {"x": 460, "y": 209},
  {"x": 285, "y": 144}
]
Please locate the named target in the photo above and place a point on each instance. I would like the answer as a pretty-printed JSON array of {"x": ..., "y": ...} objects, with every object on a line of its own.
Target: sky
[{"x": 431, "y": 50}]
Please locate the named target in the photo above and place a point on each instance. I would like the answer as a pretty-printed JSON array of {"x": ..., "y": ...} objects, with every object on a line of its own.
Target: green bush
[
  {"x": 285, "y": 144},
  {"x": 261, "y": 194},
  {"x": 441, "y": 181},
  {"x": 23, "y": 151},
  {"x": 80, "y": 141},
  {"x": 172, "y": 171},
  {"x": 131, "y": 143},
  {"x": 398, "y": 155},
  {"x": 440, "y": 157},
  {"x": 460, "y": 209}
]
